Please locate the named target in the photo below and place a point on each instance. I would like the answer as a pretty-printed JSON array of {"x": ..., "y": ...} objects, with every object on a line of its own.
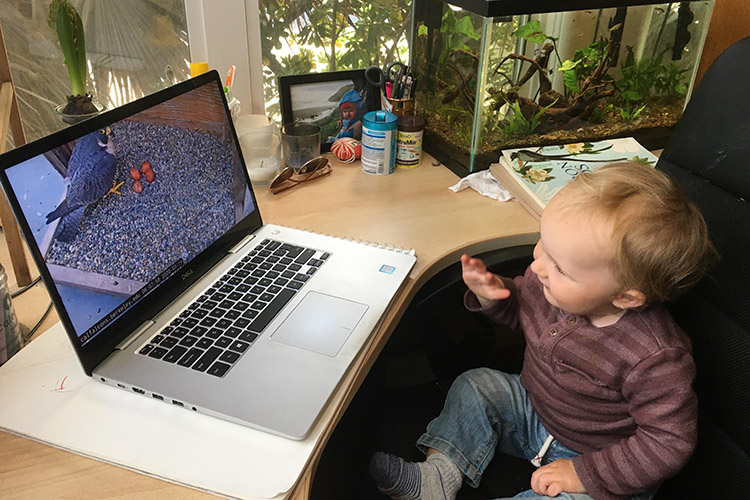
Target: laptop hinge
[
  {"x": 247, "y": 239},
  {"x": 131, "y": 338}
]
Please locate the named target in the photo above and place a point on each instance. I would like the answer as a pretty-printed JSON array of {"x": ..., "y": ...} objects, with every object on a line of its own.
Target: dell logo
[{"x": 187, "y": 274}]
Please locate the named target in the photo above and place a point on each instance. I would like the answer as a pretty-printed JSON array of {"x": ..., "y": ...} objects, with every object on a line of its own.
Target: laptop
[{"x": 146, "y": 231}]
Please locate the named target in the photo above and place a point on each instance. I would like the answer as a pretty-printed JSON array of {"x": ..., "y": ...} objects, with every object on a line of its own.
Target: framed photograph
[{"x": 335, "y": 101}]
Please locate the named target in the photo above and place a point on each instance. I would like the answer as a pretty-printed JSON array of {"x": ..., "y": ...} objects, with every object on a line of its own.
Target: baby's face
[
  {"x": 572, "y": 261},
  {"x": 348, "y": 113}
]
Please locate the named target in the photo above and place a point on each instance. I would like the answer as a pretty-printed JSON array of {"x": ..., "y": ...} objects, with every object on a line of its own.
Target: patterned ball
[{"x": 347, "y": 149}]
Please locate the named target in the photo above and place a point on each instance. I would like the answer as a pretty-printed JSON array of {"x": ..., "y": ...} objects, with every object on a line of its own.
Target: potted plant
[{"x": 64, "y": 19}]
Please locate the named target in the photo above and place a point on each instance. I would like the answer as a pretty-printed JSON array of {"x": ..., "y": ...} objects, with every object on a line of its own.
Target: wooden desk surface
[{"x": 411, "y": 209}]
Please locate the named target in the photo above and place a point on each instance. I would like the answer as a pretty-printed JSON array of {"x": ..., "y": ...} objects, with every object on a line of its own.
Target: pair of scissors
[{"x": 379, "y": 78}]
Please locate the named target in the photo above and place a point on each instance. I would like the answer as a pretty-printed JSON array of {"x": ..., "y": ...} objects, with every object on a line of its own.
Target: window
[
  {"x": 309, "y": 36},
  {"x": 134, "y": 48}
]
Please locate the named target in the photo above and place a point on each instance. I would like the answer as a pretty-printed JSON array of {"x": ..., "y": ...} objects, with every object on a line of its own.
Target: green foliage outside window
[{"x": 310, "y": 36}]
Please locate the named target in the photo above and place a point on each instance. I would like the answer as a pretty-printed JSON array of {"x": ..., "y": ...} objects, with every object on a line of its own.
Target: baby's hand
[
  {"x": 488, "y": 287},
  {"x": 552, "y": 479}
]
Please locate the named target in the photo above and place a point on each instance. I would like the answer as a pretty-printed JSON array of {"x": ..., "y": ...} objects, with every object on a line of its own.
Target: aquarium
[{"x": 495, "y": 74}]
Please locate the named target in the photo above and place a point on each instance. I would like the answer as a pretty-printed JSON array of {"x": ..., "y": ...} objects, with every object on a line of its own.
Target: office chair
[{"x": 708, "y": 154}]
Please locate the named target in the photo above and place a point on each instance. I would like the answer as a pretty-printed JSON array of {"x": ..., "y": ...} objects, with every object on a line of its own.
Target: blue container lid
[{"x": 380, "y": 120}]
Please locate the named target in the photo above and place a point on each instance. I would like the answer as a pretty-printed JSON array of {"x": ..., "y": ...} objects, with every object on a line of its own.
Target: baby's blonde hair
[{"x": 661, "y": 242}]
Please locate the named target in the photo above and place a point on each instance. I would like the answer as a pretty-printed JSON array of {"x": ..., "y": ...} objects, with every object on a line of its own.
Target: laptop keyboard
[{"x": 213, "y": 332}]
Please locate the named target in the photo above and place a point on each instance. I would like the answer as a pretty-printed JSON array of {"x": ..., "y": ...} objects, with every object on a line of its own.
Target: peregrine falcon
[{"x": 91, "y": 174}]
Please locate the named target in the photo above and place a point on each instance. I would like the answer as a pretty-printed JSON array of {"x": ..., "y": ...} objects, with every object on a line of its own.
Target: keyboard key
[
  {"x": 218, "y": 369},
  {"x": 233, "y": 313},
  {"x": 208, "y": 357},
  {"x": 199, "y": 313},
  {"x": 234, "y": 331},
  {"x": 198, "y": 331},
  {"x": 190, "y": 357},
  {"x": 270, "y": 312},
  {"x": 304, "y": 256},
  {"x": 175, "y": 354},
  {"x": 146, "y": 349},
  {"x": 188, "y": 341},
  {"x": 213, "y": 333},
  {"x": 189, "y": 322},
  {"x": 291, "y": 250},
  {"x": 296, "y": 285},
  {"x": 179, "y": 332},
  {"x": 241, "y": 306},
  {"x": 248, "y": 336},
  {"x": 223, "y": 342},
  {"x": 209, "y": 321},
  {"x": 224, "y": 323},
  {"x": 250, "y": 313},
  {"x": 229, "y": 356},
  {"x": 258, "y": 305},
  {"x": 241, "y": 323},
  {"x": 204, "y": 343},
  {"x": 168, "y": 342},
  {"x": 237, "y": 345}
]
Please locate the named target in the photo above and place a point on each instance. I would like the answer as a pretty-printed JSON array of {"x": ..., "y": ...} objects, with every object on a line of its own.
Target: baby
[{"x": 604, "y": 404}]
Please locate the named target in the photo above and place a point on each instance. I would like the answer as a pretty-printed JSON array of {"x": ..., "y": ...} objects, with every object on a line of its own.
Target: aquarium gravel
[{"x": 186, "y": 207}]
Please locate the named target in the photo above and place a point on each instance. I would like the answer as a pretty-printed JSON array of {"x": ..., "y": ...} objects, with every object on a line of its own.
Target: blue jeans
[{"x": 488, "y": 411}]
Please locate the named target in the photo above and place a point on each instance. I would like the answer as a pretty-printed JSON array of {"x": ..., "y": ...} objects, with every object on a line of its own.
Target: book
[{"x": 535, "y": 174}]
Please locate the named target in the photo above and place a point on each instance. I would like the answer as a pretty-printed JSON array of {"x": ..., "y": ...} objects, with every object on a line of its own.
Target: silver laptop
[{"x": 147, "y": 233}]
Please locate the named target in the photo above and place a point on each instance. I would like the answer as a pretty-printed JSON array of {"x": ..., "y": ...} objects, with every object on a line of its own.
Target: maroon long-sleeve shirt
[{"x": 620, "y": 395}]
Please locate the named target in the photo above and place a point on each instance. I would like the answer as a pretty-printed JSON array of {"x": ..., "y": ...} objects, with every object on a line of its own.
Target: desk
[{"x": 410, "y": 208}]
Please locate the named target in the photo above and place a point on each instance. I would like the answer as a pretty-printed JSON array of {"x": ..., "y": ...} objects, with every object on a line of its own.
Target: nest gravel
[{"x": 187, "y": 206}]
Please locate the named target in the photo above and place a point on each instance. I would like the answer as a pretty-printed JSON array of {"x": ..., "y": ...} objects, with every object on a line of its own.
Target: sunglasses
[{"x": 288, "y": 177}]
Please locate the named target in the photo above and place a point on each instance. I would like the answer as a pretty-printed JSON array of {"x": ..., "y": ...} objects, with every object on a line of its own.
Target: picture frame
[{"x": 318, "y": 98}]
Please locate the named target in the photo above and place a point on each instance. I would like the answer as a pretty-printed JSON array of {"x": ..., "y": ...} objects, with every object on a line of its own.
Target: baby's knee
[{"x": 483, "y": 383}]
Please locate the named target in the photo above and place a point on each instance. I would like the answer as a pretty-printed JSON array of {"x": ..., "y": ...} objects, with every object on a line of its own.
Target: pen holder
[{"x": 401, "y": 107}]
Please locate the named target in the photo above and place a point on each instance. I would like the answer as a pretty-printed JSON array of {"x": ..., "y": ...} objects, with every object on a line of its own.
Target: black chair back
[{"x": 709, "y": 155}]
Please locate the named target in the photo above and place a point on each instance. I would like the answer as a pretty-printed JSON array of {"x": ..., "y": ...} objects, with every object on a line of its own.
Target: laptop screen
[{"x": 119, "y": 210}]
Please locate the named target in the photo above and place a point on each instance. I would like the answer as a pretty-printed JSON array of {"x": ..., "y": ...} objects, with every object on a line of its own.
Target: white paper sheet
[{"x": 46, "y": 396}]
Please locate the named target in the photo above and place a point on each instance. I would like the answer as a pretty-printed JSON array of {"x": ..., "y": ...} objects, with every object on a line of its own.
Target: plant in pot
[{"x": 64, "y": 19}]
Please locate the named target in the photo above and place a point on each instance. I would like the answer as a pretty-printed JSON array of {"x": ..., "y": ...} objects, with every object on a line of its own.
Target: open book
[{"x": 535, "y": 174}]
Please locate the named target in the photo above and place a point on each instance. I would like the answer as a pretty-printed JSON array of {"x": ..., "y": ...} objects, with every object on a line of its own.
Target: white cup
[
  {"x": 253, "y": 124},
  {"x": 262, "y": 154}
]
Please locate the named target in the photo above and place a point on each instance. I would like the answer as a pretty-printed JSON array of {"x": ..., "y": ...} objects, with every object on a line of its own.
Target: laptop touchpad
[{"x": 320, "y": 323}]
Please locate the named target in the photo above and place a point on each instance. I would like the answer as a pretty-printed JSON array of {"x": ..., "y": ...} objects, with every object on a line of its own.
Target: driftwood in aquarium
[{"x": 554, "y": 106}]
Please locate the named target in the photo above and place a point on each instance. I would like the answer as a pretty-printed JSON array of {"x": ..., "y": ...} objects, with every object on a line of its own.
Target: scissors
[{"x": 379, "y": 78}]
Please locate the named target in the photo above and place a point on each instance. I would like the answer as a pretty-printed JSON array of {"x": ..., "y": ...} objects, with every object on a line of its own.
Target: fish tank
[{"x": 497, "y": 74}]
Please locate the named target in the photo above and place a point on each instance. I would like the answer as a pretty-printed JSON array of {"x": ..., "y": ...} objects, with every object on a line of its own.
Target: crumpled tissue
[{"x": 485, "y": 184}]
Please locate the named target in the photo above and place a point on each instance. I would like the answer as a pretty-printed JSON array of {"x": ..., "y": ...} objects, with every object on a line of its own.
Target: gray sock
[{"x": 437, "y": 478}]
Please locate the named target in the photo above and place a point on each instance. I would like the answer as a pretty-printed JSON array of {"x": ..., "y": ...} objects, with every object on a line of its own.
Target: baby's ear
[{"x": 629, "y": 299}]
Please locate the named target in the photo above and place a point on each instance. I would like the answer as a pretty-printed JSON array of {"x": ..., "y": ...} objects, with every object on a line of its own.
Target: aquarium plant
[{"x": 64, "y": 19}]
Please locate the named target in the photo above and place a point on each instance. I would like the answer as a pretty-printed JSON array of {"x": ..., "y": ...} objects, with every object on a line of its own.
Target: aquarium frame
[
  {"x": 357, "y": 76},
  {"x": 495, "y": 8}
]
